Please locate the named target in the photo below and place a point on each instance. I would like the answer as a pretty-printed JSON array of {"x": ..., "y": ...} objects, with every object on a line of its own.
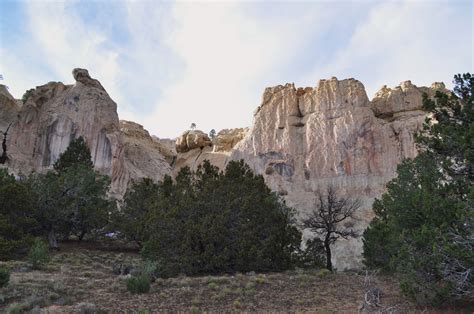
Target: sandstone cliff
[
  {"x": 9, "y": 108},
  {"x": 303, "y": 140},
  {"x": 141, "y": 157},
  {"x": 199, "y": 147},
  {"x": 55, "y": 114}
]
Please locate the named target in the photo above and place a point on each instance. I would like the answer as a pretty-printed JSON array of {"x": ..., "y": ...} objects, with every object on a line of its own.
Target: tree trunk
[
  {"x": 328, "y": 254},
  {"x": 81, "y": 236},
  {"x": 53, "y": 242}
]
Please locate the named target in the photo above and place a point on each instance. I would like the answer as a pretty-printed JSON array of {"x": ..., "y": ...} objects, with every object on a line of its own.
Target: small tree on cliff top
[{"x": 325, "y": 220}]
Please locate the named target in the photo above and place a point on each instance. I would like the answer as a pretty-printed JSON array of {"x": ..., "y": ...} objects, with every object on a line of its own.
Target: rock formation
[
  {"x": 217, "y": 151},
  {"x": 303, "y": 140},
  {"x": 55, "y": 113},
  {"x": 141, "y": 157},
  {"x": 226, "y": 139},
  {"x": 9, "y": 108},
  {"x": 190, "y": 140}
]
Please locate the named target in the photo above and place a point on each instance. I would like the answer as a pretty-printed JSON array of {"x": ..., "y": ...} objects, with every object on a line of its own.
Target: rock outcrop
[
  {"x": 9, "y": 108},
  {"x": 192, "y": 139},
  {"x": 226, "y": 139},
  {"x": 216, "y": 151},
  {"x": 391, "y": 103},
  {"x": 55, "y": 113},
  {"x": 302, "y": 140},
  {"x": 141, "y": 157},
  {"x": 305, "y": 139}
]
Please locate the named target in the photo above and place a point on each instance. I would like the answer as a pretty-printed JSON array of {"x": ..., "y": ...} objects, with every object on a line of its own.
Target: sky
[{"x": 170, "y": 64}]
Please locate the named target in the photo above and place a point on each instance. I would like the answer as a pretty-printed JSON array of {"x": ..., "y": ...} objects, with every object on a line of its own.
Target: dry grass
[{"x": 78, "y": 279}]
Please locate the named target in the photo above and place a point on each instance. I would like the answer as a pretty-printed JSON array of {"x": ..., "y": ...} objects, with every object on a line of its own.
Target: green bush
[
  {"x": 27, "y": 95},
  {"x": 38, "y": 255},
  {"x": 323, "y": 273},
  {"x": 313, "y": 256},
  {"x": 230, "y": 222},
  {"x": 149, "y": 269},
  {"x": 4, "y": 277},
  {"x": 424, "y": 223},
  {"x": 17, "y": 211},
  {"x": 17, "y": 308},
  {"x": 140, "y": 284}
]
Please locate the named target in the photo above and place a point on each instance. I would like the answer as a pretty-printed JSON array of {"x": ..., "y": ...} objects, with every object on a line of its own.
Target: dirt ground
[{"x": 81, "y": 280}]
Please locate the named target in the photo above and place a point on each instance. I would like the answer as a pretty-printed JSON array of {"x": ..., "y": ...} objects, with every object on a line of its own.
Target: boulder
[
  {"x": 226, "y": 139},
  {"x": 192, "y": 139}
]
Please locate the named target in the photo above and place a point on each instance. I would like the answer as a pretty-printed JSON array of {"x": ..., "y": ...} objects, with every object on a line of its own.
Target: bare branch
[{"x": 325, "y": 219}]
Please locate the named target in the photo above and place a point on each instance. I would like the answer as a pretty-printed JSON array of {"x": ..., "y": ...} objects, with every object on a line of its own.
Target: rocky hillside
[
  {"x": 55, "y": 113},
  {"x": 302, "y": 140}
]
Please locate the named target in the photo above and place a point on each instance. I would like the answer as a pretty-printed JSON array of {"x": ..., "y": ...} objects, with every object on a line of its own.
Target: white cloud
[
  {"x": 419, "y": 41},
  {"x": 60, "y": 41},
  {"x": 170, "y": 64},
  {"x": 226, "y": 56}
]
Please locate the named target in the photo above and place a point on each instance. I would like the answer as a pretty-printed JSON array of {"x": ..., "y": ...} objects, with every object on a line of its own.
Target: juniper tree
[
  {"x": 326, "y": 219},
  {"x": 424, "y": 224},
  {"x": 76, "y": 153}
]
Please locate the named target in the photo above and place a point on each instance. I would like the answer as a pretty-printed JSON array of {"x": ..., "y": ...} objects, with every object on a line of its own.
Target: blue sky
[{"x": 168, "y": 64}]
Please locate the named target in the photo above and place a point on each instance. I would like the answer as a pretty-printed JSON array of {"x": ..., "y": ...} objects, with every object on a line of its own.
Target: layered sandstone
[
  {"x": 306, "y": 139},
  {"x": 141, "y": 157},
  {"x": 9, "y": 108},
  {"x": 55, "y": 113},
  {"x": 217, "y": 151},
  {"x": 192, "y": 139},
  {"x": 302, "y": 140}
]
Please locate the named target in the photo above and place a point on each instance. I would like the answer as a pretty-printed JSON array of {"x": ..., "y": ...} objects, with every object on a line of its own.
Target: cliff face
[
  {"x": 141, "y": 157},
  {"x": 55, "y": 114},
  {"x": 193, "y": 147},
  {"x": 304, "y": 140},
  {"x": 9, "y": 108}
]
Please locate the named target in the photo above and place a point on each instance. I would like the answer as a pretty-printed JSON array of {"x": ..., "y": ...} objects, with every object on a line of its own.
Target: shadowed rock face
[
  {"x": 55, "y": 114},
  {"x": 9, "y": 108}
]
